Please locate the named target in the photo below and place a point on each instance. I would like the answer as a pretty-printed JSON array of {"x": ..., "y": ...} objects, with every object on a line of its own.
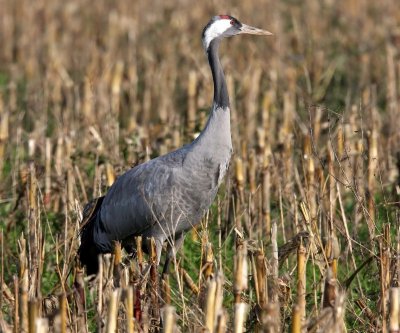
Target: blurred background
[{"x": 90, "y": 88}]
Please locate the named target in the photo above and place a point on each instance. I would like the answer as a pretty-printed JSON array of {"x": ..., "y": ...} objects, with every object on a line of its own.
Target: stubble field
[{"x": 304, "y": 235}]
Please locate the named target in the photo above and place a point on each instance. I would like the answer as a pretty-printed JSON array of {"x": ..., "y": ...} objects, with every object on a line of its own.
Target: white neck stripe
[{"x": 215, "y": 30}]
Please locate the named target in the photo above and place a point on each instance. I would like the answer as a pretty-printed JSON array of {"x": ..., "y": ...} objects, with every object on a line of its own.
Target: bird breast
[{"x": 171, "y": 193}]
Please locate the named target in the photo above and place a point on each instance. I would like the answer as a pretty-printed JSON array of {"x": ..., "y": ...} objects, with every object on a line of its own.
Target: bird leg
[
  {"x": 158, "y": 248},
  {"x": 172, "y": 248}
]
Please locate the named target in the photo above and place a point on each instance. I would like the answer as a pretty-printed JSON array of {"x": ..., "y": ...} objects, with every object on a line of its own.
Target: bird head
[{"x": 221, "y": 26}]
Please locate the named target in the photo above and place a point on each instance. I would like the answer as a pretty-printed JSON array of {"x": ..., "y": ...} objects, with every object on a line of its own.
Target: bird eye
[{"x": 232, "y": 22}]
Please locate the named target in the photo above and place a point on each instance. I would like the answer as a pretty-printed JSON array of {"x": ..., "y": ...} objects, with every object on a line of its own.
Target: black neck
[{"x": 221, "y": 97}]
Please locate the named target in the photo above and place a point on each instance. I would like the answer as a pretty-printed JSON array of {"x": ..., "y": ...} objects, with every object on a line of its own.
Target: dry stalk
[
  {"x": 59, "y": 154},
  {"x": 332, "y": 185},
  {"x": 358, "y": 170},
  {"x": 34, "y": 232},
  {"x": 4, "y": 327},
  {"x": 275, "y": 258},
  {"x": 251, "y": 102},
  {"x": 270, "y": 318},
  {"x": 394, "y": 310},
  {"x": 169, "y": 319},
  {"x": 340, "y": 142},
  {"x": 310, "y": 176},
  {"x": 252, "y": 171},
  {"x": 41, "y": 325},
  {"x": 317, "y": 113},
  {"x": 281, "y": 215},
  {"x": 87, "y": 106},
  {"x": 117, "y": 264},
  {"x": 137, "y": 309},
  {"x": 110, "y": 174},
  {"x": 372, "y": 169},
  {"x": 222, "y": 326},
  {"x": 112, "y": 313},
  {"x": 81, "y": 184},
  {"x": 240, "y": 317},
  {"x": 189, "y": 281},
  {"x": 332, "y": 250},
  {"x": 80, "y": 300},
  {"x": 155, "y": 310},
  {"x": 392, "y": 87},
  {"x": 3, "y": 286},
  {"x": 301, "y": 281},
  {"x": 116, "y": 87},
  {"x": 329, "y": 289},
  {"x": 129, "y": 306},
  {"x": 208, "y": 258},
  {"x": 47, "y": 186},
  {"x": 372, "y": 318},
  {"x": 210, "y": 305},
  {"x": 166, "y": 289},
  {"x": 191, "y": 109},
  {"x": 24, "y": 284},
  {"x": 260, "y": 278},
  {"x": 266, "y": 192},
  {"x": 32, "y": 315},
  {"x": 384, "y": 254},
  {"x": 4, "y": 133},
  {"x": 296, "y": 319},
  {"x": 285, "y": 138},
  {"x": 240, "y": 269},
  {"x": 259, "y": 268},
  {"x": 16, "y": 304},
  {"x": 239, "y": 175},
  {"x": 139, "y": 253},
  {"x": 240, "y": 284},
  {"x": 100, "y": 296},
  {"x": 63, "y": 314}
]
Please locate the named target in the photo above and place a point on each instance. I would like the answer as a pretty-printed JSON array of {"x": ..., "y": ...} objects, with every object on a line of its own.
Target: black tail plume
[{"x": 88, "y": 251}]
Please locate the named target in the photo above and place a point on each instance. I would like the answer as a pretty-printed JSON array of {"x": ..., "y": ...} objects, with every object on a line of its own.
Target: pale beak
[{"x": 246, "y": 29}]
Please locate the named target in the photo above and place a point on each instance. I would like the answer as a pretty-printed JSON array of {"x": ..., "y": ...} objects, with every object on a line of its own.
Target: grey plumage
[{"x": 166, "y": 196}]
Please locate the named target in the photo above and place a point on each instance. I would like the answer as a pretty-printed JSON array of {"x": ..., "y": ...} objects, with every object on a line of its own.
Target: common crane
[{"x": 168, "y": 195}]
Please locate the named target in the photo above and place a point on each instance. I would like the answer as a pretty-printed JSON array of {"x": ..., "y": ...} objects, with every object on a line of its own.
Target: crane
[{"x": 166, "y": 196}]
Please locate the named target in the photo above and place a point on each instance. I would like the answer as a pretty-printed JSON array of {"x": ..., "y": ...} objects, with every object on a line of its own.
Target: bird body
[{"x": 168, "y": 195}]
